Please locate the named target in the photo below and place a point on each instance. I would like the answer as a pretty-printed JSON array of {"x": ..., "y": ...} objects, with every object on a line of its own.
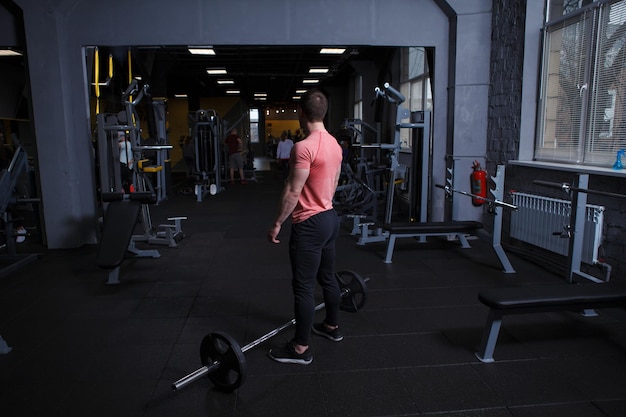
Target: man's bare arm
[{"x": 291, "y": 193}]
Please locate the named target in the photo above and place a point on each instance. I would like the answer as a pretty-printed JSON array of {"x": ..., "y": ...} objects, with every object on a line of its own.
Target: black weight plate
[
  {"x": 231, "y": 372},
  {"x": 354, "y": 290}
]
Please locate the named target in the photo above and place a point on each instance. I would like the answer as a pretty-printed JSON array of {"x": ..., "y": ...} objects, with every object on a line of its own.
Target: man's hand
[{"x": 272, "y": 233}]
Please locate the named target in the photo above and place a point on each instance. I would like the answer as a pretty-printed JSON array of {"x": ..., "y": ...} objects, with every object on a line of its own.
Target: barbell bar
[
  {"x": 567, "y": 188},
  {"x": 449, "y": 190},
  {"x": 223, "y": 359}
]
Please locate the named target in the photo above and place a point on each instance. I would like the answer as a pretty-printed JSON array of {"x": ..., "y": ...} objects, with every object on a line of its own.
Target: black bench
[
  {"x": 413, "y": 229},
  {"x": 522, "y": 300},
  {"x": 119, "y": 223}
]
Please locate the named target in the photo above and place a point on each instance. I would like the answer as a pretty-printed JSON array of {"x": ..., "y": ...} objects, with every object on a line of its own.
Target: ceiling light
[
  {"x": 180, "y": 95},
  {"x": 233, "y": 92},
  {"x": 201, "y": 50},
  {"x": 260, "y": 94},
  {"x": 216, "y": 71},
  {"x": 310, "y": 81},
  {"x": 226, "y": 82},
  {"x": 319, "y": 70},
  {"x": 9, "y": 52},
  {"x": 300, "y": 91},
  {"x": 295, "y": 98},
  {"x": 335, "y": 51}
]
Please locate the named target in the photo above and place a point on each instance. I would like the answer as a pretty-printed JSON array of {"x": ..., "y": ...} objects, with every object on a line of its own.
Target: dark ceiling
[{"x": 275, "y": 70}]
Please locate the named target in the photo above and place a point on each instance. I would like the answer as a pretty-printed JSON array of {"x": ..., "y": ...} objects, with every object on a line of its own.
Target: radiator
[{"x": 538, "y": 217}]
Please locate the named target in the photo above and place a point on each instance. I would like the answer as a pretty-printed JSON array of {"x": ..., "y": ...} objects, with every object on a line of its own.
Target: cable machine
[
  {"x": 126, "y": 122},
  {"x": 205, "y": 129},
  {"x": 407, "y": 170}
]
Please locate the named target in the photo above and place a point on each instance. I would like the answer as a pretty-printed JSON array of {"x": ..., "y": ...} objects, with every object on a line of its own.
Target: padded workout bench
[
  {"x": 422, "y": 230},
  {"x": 119, "y": 222},
  {"x": 523, "y": 300}
]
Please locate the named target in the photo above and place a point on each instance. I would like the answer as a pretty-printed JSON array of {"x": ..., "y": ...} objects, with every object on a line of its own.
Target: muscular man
[{"x": 315, "y": 167}]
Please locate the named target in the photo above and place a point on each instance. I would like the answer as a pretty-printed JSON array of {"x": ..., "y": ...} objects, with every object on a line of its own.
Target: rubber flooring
[{"x": 81, "y": 347}]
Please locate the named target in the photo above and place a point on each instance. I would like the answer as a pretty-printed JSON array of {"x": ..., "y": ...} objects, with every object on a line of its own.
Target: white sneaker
[{"x": 21, "y": 235}]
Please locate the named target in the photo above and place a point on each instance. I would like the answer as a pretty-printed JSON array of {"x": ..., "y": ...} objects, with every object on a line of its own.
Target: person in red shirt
[
  {"x": 308, "y": 198},
  {"x": 235, "y": 155}
]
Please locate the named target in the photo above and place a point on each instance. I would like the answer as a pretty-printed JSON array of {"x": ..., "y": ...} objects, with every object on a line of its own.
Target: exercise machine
[
  {"x": 411, "y": 176},
  {"x": 576, "y": 229},
  {"x": 353, "y": 197},
  {"x": 584, "y": 297},
  {"x": 208, "y": 171},
  {"x": 126, "y": 122},
  {"x": 496, "y": 205},
  {"x": 9, "y": 179},
  {"x": 458, "y": 229}
]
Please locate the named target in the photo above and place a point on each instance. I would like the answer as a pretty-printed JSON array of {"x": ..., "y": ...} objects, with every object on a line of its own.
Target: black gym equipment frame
[
  {"x": 206, "y": 135},
  {"x": 9, "y": 179}
]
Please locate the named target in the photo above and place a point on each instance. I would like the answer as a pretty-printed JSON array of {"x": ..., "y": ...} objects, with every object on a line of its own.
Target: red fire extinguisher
[{"x": 478, "y": 180}]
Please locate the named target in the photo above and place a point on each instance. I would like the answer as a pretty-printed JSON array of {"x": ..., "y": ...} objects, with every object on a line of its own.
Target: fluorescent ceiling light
[
  {"x": 300, "y": 91},
  {"x": 261, "y": 98},
  {"x": 319, "y": 70},
  {"x": 9, "y": 52},
  {"x": 222, "y": 82},
  {"x": 295, "y": 98},
  {"x": 216, "y": 71},
  {"x": 201, "y": 50},
  {"x": 335, "y": 51},
  {"x": 260, "y": 94},
  {"x": 310, "y": 81},
  {"x": 180, "y": 95},
  {"x": 233, "y": 91}
]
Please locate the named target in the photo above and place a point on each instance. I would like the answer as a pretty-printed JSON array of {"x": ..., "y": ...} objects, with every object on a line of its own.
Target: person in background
[
  {"x": 235, "y": 156},
  {"x": 126, "y": 162},
  {"x": 283, "y": 151},
  {"x": 308, "y": 199},
  {"x": 299, "y": 135}
]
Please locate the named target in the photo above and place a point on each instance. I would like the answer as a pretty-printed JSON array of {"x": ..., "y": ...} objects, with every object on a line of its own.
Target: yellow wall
[
  {"x": 178, "y": 127},
  {"x": 278, "y": 126}
]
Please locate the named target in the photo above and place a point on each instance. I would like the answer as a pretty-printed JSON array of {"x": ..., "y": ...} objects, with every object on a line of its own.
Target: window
[
  {"x": 415, "y": 87},
  {"x": 254, "y": 125},
  {"x": 583, "y": 94},
  {"x": 558, "y": 8},
  {"x": 357, "y": 87}
]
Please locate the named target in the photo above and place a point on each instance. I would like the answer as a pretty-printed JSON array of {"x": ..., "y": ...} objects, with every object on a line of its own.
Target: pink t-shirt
[{"x": 321, "y": 155}]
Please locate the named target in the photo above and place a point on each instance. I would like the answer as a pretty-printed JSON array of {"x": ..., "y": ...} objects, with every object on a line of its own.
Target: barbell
[
  {"x": 223, "y": 359},
  {"x": 568, "y": 188},
  {"x": 449, "y": 190}
]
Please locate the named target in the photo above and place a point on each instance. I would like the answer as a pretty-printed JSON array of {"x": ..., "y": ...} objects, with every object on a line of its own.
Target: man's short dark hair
[{"x": 314, "y": 105}]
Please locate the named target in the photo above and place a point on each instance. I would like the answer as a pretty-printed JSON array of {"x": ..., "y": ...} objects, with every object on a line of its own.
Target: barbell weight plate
[
  {"x": 221, "y": 348},
  {"x": 355, "y": 290}
]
